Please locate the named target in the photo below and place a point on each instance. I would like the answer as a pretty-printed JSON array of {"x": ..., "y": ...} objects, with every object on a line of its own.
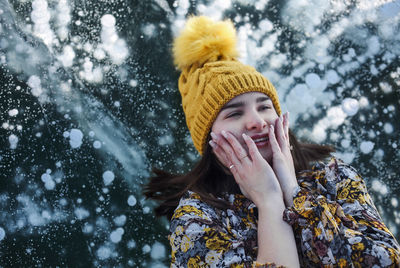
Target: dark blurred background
[{"x": 89, "y": 104}]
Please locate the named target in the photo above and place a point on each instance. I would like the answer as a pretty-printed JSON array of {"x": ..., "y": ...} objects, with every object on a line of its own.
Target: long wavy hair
[{"x": 209, "y": 178}]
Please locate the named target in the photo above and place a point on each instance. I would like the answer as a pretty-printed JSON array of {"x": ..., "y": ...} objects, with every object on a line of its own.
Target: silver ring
[{"x": 231, "y": 166}]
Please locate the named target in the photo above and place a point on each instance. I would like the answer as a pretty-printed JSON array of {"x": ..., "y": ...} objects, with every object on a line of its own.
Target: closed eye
[
  {"x": 234, "y": 114},
  {"x": 264, "y": 107}
]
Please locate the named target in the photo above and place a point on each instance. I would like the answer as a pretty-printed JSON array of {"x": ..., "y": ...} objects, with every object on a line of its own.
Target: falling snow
[{"x": 87, "y": 110}]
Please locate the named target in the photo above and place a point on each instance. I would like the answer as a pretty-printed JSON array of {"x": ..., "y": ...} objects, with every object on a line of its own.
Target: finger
[
  {"x": 279, "y": 133},
  {"x": 231, "y": 163},
  {"x": 218, "y": 145},
  {"x": 237, "y": 147},
  {"x": 272, "y": 140},
  {"x": 219, "y": 153},
  {"x": 224, "y": 159},
  {"x": 254, "y": 153},
  {"x": 227, "y": 148},
  {"x": 286, "y": 125},
  {"x": 235, "y": 172}
]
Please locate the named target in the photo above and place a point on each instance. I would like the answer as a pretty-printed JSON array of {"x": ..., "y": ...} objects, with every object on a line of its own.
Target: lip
[{"x": 260, "y": 136}]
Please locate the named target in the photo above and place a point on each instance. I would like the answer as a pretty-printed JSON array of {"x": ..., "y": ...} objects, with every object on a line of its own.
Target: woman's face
[{"x": 250, "y": 113}]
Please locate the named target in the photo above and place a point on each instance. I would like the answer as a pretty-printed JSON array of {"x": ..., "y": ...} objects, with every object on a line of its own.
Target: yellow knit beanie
[{"x": 205, "y": 52}]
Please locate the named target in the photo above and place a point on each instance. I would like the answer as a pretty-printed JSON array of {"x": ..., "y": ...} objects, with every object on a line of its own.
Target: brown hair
[{"x": 208, "y": 179}]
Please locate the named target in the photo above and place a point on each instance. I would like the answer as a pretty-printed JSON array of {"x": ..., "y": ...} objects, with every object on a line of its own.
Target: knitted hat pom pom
[{"x": 204, "y": 40}]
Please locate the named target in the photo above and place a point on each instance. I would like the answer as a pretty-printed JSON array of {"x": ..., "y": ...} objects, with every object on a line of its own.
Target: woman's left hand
[{"x": 282, "y": 161}]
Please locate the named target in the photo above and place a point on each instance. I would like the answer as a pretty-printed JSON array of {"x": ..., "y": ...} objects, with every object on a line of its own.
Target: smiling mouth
[{"x": 260, "y": 140}]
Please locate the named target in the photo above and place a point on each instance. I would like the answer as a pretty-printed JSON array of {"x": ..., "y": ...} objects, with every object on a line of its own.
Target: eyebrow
[{"x": 241, "y": 103}]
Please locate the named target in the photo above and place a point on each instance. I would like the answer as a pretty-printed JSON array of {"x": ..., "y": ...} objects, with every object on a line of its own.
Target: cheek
[
  {"x": 231, "y": 127},
  {"x": 215, "y": 125},
  {"x": 266, "y": 153},
  {"x": 219, "y": 125},
  {"x": 272, "y": 118},
  {"x": 216, "y": 128}
]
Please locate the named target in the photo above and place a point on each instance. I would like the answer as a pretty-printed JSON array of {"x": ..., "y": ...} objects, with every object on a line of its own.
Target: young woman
[{"x": 253, "y": 199}]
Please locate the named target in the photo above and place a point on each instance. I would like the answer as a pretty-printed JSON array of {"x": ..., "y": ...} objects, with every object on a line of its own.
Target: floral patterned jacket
[{"x": 334, "y": 220}]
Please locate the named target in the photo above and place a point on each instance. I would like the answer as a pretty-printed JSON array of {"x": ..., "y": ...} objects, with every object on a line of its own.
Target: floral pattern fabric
[{"x": 334, "y": 220}]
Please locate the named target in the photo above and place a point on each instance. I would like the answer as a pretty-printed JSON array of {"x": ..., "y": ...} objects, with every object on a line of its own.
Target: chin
[
  {"x": 267, "y": 156},
  {"x": 269, "y": 160}
]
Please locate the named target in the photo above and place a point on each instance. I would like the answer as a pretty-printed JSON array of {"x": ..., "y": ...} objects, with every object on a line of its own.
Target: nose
[{"x": 254, "y": 121}]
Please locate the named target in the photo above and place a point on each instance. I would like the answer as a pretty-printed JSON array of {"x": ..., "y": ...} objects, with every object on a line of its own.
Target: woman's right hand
[{"x": 252, "y": 173}]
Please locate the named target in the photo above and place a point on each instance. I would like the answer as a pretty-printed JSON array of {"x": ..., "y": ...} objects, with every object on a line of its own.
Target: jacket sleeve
[
  {"x": 336, "y": 222},
  {"x": 198, "y": 238}
]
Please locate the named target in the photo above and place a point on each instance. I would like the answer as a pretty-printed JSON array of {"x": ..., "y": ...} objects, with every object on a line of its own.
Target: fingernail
[
  {"x": 213, "y": 136},
  {"x": 245, "y": 136},
  {"x": 212, "y": 144},
  {"x": 272, "y": 127},
  {"x": 224, "y": 134}
]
